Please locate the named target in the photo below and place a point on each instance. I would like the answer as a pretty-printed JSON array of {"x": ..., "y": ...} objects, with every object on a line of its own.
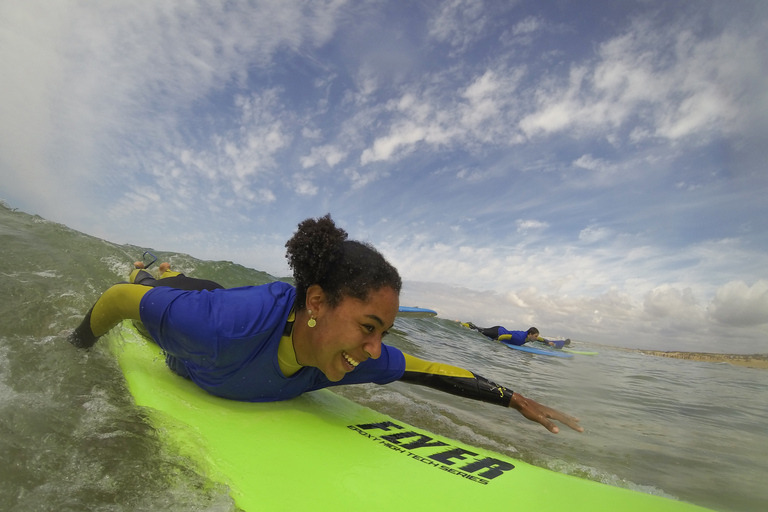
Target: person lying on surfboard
[
  {"x": 518, "y": 338},
  {"x": 276, "y": 341}
]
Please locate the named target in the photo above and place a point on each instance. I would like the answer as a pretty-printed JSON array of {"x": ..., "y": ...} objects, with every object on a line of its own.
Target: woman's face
[{"x": 350, "y": 333}]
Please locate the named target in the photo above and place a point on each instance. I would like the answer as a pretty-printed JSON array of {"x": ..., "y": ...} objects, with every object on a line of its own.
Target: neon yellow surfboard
[{"x": 321, "y": 451}]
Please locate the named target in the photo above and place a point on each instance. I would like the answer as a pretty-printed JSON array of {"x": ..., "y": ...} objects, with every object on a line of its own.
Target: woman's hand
[{"x": 534, "y": 411}]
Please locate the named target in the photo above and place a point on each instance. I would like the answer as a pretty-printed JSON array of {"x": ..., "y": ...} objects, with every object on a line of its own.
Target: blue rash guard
[
  {"x": 518, "y": 337},
  {"x": 226, "y": 342}
]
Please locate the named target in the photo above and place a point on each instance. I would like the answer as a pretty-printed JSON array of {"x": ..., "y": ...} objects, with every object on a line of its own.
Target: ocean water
[{"x": 71, "y": 437}]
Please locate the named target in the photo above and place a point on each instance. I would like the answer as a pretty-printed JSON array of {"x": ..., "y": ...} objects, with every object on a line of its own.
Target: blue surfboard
[
  {"x": 582, "y": 352},
  {"x": 540, "y": 351},
  {"x": 567, "y": 349},
  {"x": 414, "y": 312}
]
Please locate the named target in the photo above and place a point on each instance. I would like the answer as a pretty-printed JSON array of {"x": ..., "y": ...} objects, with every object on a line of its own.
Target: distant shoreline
[{"x": 746, "y": 360}]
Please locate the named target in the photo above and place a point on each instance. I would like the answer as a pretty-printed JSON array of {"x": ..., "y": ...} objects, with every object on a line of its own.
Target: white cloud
[
  {"x": 328, "y": 154},
  {"x": 304, "y": 187},
  {"x": 667, "y": 301},
  {"x": 402, "y": 138},
  {"x": 474, "y": 175},
  {"x": 527, "y": 26},
  {"x": 359, "y": 179},
  {"x": 740, "y": 305},
  {"x": 594, "y": 164},
  {"x": 678, "y": 83},
  {"x": 476, "y": 114},
  {"x": 459, "y": 22},
  {"x": 592, "y": 234},
  {"x": 308, "y": 133},
  {"x": 559, "y": 108},
  {"x": 523, "y": 226}
]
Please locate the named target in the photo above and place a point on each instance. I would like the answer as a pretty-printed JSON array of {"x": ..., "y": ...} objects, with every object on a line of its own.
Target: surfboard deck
[
  {"x": 582, "y": 352},
  {"x": 322, "y": 451},
  {"x": 539, "y": 351},
  {"x": 544, "y": 346},
  {"x": 415, "y": 312}
]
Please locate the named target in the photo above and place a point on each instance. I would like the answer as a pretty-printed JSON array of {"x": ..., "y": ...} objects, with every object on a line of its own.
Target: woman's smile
[{"x": 350, "y": 361}]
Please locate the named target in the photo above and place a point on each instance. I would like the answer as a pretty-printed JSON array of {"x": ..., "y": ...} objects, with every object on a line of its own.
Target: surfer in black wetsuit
[{"x": 518, "y": 338}]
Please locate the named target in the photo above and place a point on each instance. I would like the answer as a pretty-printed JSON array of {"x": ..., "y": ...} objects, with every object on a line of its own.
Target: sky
[{"x": 596, "y": 169}]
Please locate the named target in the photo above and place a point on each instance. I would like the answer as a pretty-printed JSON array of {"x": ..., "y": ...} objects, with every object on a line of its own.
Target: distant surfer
[
  {"x": 518, "y": 338},
  {"x": 276, "y": 341}
]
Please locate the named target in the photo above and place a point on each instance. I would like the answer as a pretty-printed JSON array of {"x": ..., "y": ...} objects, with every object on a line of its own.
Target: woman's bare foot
[
  {"x": 164, "y": 267},
  {"x": 138, "y": 264}
]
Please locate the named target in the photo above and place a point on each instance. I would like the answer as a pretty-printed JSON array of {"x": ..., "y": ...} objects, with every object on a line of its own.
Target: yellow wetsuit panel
[
  {"x": 414, "y": 364},
  {"x": 119, "y": 302},
  {"x": 505, "y": 337},
  {"x": 286, "y": 355}
]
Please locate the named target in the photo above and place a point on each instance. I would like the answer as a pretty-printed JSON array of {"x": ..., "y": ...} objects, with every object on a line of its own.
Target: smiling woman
[{"x": 275, "y": 342}]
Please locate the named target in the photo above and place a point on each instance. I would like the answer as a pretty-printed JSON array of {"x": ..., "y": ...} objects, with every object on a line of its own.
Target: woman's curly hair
[{"x": 319, "y": 253}]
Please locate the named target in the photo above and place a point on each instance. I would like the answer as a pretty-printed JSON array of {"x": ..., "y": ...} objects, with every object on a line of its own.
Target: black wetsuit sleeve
[
  {"x": 82, "y": 336},
  {"x": 454, "y": 380},
  {"x": 180, "y": 282}
]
